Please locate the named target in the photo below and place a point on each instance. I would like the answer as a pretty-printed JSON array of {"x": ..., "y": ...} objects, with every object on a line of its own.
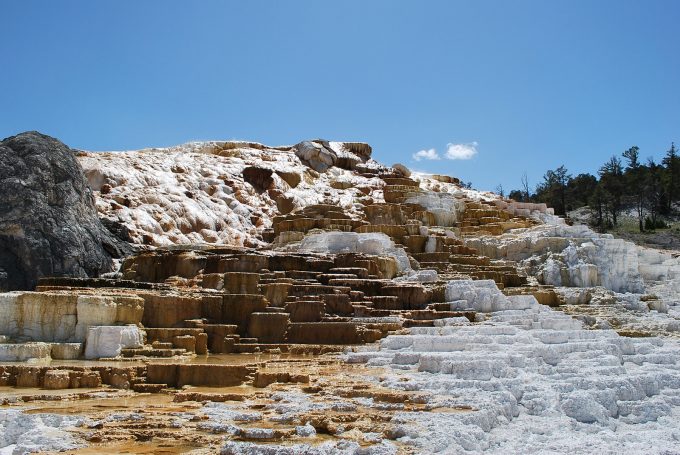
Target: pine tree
[
  {"x": 611, "y": 179},
  {"x": 672, "y": 165},
  {"x": 653, "y": 190},
  {"x": 634, "y": 177}
]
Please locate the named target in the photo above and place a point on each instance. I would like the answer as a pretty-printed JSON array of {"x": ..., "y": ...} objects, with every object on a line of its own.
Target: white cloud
[
  {"x": 453, "y": 152},
  {"x": 461, "y": 151},
  {"x": 430, "y": 154}
]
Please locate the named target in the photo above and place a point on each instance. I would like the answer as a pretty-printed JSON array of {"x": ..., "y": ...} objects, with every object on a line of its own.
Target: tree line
[{"x": 623, "y": 182}]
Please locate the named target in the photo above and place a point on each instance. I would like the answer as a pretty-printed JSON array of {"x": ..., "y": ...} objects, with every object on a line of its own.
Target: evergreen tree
[
  {"x": 634, "y": 179},
  {"x": 579, "y": 190},
  {"x": 517, "y": 195},
  {"x": 672, "y": 165},
  {"x": 611, "y": 180},
  {"x": 553, "y": 189},
  {"x": 598, "y": 202},
  {"x": 632, "y": 155},
  {"x": 653, "y": 190},
  {"x": 650, "y": 188}
]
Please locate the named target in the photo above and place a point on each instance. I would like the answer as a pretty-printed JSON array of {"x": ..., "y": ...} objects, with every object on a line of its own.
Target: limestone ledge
[{"x": 64, "y": 316}]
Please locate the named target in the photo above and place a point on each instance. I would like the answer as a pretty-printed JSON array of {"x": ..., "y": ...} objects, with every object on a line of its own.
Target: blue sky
[{"x": 528, "y": 85}]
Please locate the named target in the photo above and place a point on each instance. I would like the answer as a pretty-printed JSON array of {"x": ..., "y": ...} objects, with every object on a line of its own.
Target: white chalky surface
[
  {"x": 608, "y": 275},
  {"x": 195, "y": 192},
  {"x": 327, "y": 448},
  {"x": 108, "y": 341},
  {"x": 22, "y": 433},
  {"x": 536, "y": 381},
  {"x": 289, "y": 407}
]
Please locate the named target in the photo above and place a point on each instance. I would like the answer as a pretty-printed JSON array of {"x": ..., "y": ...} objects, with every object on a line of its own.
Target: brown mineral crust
[
  {"x": 69, "y": 377},
  {"x": 210, "y": 375},
  {"x": 148, "y": 422}
]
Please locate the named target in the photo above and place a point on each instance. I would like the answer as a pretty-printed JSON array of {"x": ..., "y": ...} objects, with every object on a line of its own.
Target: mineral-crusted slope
[
  {"x": 222, "y": 192},
  {"x": 468, "y": 322}
]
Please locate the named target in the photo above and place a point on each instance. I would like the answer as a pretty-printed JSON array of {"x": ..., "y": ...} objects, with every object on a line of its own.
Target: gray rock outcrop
[
  {"x": 48, "y": 221},
  {"x": 315, "y": 155},
  {"x": 321, "y": 155}
]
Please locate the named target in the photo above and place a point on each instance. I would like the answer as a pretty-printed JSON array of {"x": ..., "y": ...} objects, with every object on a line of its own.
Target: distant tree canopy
[{"x": 649, "y": 188}]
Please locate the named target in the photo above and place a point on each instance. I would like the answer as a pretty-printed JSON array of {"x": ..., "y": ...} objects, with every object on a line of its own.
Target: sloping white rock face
[
  {"x": 575, "y": 256},
  {"x": 352, "y": 242},
  {"x": 196, "y": 192},
  {"x": 108, "y": 341},
  {"x": 532, "y": 380},
  {"x": 563, "y": 255},
  {"x": 661, "y": 273}
]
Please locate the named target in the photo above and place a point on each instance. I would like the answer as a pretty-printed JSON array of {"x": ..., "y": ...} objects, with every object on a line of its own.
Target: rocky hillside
[
  {"x": 253, "y": 195},
  {"x": 232, "y": 192},
  {"x": 223, "y": 192},
  {"x": 307, "y": 299}
]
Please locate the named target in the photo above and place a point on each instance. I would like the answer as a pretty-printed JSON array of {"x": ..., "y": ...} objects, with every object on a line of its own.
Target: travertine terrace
[{"x": 307, "y": 299}]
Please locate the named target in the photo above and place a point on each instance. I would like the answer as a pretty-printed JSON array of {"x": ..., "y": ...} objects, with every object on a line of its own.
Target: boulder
[
  {"x": 108, "y": 341},
  {"x": 401, "y": 169},
  {"x": 48, "y": 220},
  {"x": 320, "y": 155},
  {"x": 315, "y": 155}
]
